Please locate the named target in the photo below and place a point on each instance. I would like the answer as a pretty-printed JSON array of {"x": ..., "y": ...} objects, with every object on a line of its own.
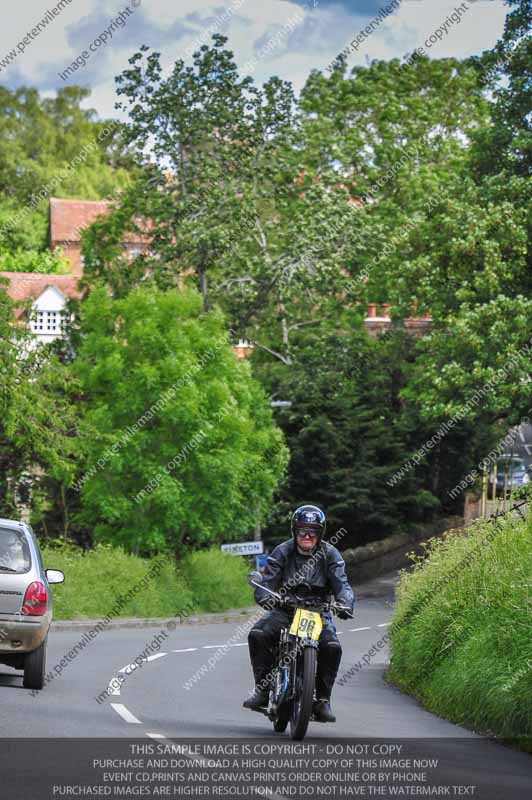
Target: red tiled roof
[
  {"x": 68, "y": 217},
  {"x": 24, "y": 286}
]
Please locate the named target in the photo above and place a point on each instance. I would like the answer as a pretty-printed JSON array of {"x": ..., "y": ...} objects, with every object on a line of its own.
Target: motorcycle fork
[{"x": 282, "y": 685}]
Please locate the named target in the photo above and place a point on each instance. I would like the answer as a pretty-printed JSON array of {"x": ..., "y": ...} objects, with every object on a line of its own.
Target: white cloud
[{"x": 172, "y": 28}]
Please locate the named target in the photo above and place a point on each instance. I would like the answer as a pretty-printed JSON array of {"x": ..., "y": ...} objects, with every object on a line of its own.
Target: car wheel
[{"x": 34, "y": 667}]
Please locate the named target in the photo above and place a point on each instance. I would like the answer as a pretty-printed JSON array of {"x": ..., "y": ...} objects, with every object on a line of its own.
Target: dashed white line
[
  {"x": 156, "y": 656},
  {"x": 125, "y": 714},
  {"x": 366, "y": 628},
  {"x": 185, "y": 650},
  {"x": 113, "y": 690},
  {"x": 156, "y": 735},
  {"x": 383, "y": 625},
  {"x": 212, "y": 646}
]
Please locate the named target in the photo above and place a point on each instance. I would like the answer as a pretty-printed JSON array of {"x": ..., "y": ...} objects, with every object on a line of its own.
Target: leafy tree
[
  {"x": 348, "y": 432},
  {"x": 227, "y": 197},
  {"x": 33, "y": 261},
  {"x": 51, "y": 146},
  {"x": 506, "y": 144},
  {"x": 204, "y": 457},
  {"x": 36, "y": 417},
  {"x": 471, "y": 261}
]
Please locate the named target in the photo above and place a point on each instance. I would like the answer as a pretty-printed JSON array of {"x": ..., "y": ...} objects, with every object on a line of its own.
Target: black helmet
[{"x": 310, "y": 517}]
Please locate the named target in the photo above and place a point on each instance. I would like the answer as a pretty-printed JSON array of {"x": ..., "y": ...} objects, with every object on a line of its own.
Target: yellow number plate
[{"x": 306, "y": 624}]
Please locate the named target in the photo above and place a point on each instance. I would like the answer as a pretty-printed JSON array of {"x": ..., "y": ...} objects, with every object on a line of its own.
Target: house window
[{"x": 46, "y": 322}]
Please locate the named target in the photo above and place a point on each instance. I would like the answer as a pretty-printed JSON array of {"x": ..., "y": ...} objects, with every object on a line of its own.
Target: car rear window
[{"x": 14, "y": 551}]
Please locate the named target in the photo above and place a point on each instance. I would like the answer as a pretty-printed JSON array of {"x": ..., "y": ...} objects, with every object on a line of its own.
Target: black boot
[
  {"x": 322, "y": 710},
  {"x": 259, "y": 699}
]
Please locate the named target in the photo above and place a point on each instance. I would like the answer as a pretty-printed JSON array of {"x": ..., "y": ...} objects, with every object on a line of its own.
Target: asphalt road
[{"x": 152, "y": 701}]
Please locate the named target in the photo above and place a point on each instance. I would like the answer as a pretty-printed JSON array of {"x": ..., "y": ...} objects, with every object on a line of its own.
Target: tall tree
[
  {"x": 225, "y": 189},
  {"x": 177, "y": 438},
  {"x": 51, "y": 146}
]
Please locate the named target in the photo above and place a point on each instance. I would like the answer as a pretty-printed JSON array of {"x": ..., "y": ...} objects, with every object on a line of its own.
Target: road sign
[{"x": 243, "y": 548}]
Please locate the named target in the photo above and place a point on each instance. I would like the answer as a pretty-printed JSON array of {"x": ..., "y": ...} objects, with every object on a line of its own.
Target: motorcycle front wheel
[
  {"x": 304, "y": 694},
  {"x": 283, "y": 717}
]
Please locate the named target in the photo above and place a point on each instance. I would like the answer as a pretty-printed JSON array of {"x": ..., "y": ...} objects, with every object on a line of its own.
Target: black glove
[
  {"x": 345, "y": 613},
  {"x": 269, "y": 602}
]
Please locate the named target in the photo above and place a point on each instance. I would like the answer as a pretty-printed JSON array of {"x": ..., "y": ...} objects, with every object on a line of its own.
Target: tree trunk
[
  {"x": 202, "y": 283},
  {"x": 65, "y": 513},
  {"x": 284, "y": 333}
]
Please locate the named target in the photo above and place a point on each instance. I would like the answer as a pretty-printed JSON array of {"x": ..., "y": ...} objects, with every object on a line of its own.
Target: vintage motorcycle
[{"x": 294, "y": 675}]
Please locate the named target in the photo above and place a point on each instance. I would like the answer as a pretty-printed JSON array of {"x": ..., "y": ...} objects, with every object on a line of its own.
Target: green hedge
[
  {"x": 461, "y": 637},
  {"x": 207, "y": 580}
]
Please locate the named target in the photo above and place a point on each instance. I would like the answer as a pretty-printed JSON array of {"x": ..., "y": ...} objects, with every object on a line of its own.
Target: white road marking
[
  {"x": 157, "y": 655},
  {"x": 240, "y": 644},
  {"x": 383, "y": 625},
  {"x": 185, "y": 650},
  {"x": 212, "y": 646},
  {"x": 156, "y": 735},
  {"x": 125, "y": 714},
  {"x": 367, "y": 628}
]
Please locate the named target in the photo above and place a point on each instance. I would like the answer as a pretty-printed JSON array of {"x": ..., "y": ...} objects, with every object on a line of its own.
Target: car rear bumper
[{"x": 21, "y": 634}]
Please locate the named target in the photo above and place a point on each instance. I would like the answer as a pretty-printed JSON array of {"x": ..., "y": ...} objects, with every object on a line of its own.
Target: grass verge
[
  {"x": 461, "y": 637},
  {"x": 207, "y": 580}
]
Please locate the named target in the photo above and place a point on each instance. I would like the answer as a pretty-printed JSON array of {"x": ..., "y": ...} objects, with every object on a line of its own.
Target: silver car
[{"x": 25, "y": 602}]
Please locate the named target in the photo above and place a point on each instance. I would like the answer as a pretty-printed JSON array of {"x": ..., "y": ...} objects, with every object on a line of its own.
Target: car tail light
[{"x": 35, "y": 600}]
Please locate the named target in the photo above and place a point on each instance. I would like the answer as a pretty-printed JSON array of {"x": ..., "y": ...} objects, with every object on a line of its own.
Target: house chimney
[{"x": 243, "y": 349}]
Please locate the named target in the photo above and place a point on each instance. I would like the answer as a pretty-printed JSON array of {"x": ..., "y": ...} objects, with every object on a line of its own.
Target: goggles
[{"x": 304, "y": 532}]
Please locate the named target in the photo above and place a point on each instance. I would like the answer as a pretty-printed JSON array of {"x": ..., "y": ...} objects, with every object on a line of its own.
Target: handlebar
[{"x": 297, "y": 602}]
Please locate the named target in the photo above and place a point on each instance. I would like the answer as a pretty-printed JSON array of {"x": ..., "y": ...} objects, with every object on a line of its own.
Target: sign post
[{"x": 243, "y": 548}]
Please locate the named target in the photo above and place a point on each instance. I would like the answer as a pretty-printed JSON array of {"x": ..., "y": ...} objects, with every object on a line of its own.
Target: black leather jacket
[{"x": 317, "y": 576}]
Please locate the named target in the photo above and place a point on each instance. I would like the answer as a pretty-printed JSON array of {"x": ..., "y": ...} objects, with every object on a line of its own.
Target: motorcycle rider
[{"x": 306, "y": 566}]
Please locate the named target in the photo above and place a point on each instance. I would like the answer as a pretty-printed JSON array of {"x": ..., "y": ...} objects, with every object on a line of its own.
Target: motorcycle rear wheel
[{"x": 302, "y": 705}]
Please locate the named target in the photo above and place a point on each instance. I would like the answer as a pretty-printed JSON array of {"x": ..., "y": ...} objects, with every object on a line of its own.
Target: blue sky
[{"x": 282, "y": 37}]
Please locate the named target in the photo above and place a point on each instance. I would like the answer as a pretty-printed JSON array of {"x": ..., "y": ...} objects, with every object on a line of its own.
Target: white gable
[
  {"x": 47, "y": 314},
  {"x": 50, "y": 300}
]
